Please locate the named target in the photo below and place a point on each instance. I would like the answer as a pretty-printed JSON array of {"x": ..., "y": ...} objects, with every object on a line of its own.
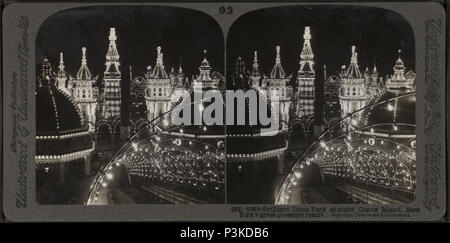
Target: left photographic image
[{"x": 108, "y": 82}]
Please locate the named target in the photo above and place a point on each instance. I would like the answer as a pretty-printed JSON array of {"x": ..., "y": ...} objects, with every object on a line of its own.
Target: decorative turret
[
  {"x": 277, "y": 70},
  {"x": 61, "y": 71},
  {"x": 305, "y": 95},
  {"x": 159, "y": 87},
  {"x": 84, "y": 92},
  {"x": 256, "y": 74},
  {"x": 204, "y": 79},
  {"x": 180, "y": 74},
  {"x": 400, "y": 81},
  {"x": 112, "y": 79},
  {"x": 61, "y": 76},
  {"x": 159, "y": 72},
  {"x": 83, "y": 72},
  {"x": 353, "y": 91},
  {"x": 353, "y": 69},
  {"x": 307, "y": 55},
  {"x": 113, "y": 54}
]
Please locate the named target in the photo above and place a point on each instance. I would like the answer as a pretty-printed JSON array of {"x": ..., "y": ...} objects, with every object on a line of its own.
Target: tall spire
[
  {"x": 159, "y": 71},
  {"x": 277, "y": 71},
  {"x": 83, "y": 56},
  {"x": 399, "y": 62},
  {"x": 61, "y": 61},
  {"x": 61, "y": 71},
  {"x": 83, "y": 72},
  {"x": 307, "y": 55},
  {"x": 353, "y": 68},
  {"x": 205, "y": 69},
  {"x": 278, "y": 58},
  {"x": 113, "y": 54},
  {"x": 399, "y": 68},
  {"x": 255, "y": 70}
]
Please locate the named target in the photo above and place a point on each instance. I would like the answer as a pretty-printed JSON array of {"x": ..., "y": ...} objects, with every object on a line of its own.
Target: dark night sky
[
  {"x": 375, "y": 32},
  {"x": 139, "y": 30},
  {"x": 185, "y": 33}
]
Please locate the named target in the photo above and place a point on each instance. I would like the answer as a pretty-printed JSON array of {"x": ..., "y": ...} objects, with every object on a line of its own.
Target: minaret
[
  {"x": 398, "y": 81},
  {"x": 277, "y": 82},
  {"x": 353, "y": 91},
  {"x": 180, "y": 75},
  {"x": 306, "y": 78},
  {"x": 256, "y": 75},
  {"x": 159, "y": 88},
  {"x": 112, "y": 78},
  {"x": 159, "y": 70},
  {"x": 277, "y": 70},
  {"x": 204, "y": 79},
  {"x": 61, "y": 76},
  {"x": 84, "y": 92}
]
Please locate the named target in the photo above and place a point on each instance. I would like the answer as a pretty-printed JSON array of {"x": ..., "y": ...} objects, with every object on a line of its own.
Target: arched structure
[{"x": 373, "y": 163}]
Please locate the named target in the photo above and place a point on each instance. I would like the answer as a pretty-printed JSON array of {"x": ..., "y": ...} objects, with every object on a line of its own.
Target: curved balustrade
[
  {"x": 380, "y": 155},
  {"x": 155, "y": 155}
]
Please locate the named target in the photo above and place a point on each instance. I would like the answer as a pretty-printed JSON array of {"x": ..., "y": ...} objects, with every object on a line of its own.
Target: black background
[
  {"x": 377, "y": 34},
  {"x": 140, "y": 29}
]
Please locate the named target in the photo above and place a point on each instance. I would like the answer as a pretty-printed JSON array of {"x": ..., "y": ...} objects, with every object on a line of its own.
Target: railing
[{"x": 332, "y": 134}]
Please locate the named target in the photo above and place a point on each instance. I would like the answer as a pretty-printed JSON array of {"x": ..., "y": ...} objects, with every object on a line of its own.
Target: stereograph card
[{"x": 215, "y": 111}]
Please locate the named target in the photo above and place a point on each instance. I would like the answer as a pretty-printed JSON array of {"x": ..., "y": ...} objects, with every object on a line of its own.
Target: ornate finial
[
  {"x": 354, "y": 58},
  {"x": 278, "y": 58},
  {"x": 61, "y": 61},
  {"x": 255, "y": 59},
  {"x": 159, "y": 58},
  {"x": 204, "y": 55},
  {"x": 307, "y": 34},
  {"x": 180, "y": 70},
  {"x": 83, "y": 56},
  {"x": 112, "y": 34}
]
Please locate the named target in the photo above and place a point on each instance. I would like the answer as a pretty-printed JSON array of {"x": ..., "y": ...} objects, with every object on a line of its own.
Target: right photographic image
[{"x": 339, "y": 84}]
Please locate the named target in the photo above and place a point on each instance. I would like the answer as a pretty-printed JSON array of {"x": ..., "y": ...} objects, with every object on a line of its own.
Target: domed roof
[{"x": 55, "y": 112}]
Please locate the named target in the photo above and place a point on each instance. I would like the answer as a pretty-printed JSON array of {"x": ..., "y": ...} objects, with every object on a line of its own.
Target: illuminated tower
[
  {"x": 111, "y": 78},
  {"x": 353, "y": 93},
  {"x": 62, "y": 76},
  {"x": 400, "y": 81},
  {"x": 305, "y": 80},
  {"x": 255, "y": 74},
  {"x": 84, "y": 92},
  {"x": 277, "y": 85},
  {"x": 204, "y": 79},
  {"x": 159, "y": 89}
]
